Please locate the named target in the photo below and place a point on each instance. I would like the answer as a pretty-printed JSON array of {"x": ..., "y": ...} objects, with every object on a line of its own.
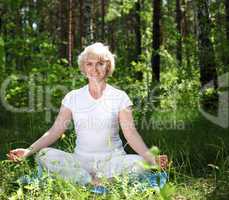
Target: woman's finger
[
  {"x": 163, "y": 162},
  {"x": 164, "y": 158},
  {"x": 10, "y": 156},
  {"x": 16, "y": 159},
  {"x": 13, "y": 157},
  {"x": 13, "y": 151}
]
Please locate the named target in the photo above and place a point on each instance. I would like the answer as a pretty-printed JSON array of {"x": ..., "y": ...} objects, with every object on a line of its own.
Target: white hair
[{"x": 97, "y": 51}]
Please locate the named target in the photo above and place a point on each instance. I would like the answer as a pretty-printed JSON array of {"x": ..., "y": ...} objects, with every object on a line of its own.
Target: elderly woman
[{"x": 97, "y": 110}]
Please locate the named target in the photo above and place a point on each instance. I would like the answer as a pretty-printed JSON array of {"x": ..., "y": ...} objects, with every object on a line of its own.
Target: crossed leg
[
  {"x": 64, "y": 164},
  {"x": 118, "y": 165}
]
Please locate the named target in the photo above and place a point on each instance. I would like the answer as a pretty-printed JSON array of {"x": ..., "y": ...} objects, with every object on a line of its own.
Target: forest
[{"x": 171, "y": 58}]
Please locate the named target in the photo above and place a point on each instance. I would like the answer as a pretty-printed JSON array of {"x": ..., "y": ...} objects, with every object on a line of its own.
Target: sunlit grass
[
  {"x": 198, "y": 155},
  {"x": 180, "y": 186}
]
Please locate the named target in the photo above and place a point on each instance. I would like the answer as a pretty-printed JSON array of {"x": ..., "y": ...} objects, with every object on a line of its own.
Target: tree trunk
[
  {"x": 206, "y": 53},
  {"x": 155, "y": 59},
  {"x": 19, "y": 22},
  {"x": 103, "y": 20},
  {"x": 227, "y": 19},
  {"x": 94, "y": 22},
  {"x": 88, "y": 22},
  {"x": 71, "y": 29},
  {"x": 70, "y": 38},
  {"x": 41, "y": 20},
  {"x": 1, "y": 21},
  {"x": 31, "y": 8},
  {"x": 186, "y": 32},
  {"x": 63, "y": 29},
  {"x": 81, "y": 26},
  {"x": 112, "y": 36},
  {"x": 179, "y": 39},
  {"x": 226, "y": 63},
  {"x": 138, "y": 30}
]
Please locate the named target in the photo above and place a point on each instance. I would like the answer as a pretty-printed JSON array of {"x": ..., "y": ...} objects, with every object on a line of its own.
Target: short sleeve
[
  {"x": 125, "y": 101},
  {"x": 66, "y": 101}
]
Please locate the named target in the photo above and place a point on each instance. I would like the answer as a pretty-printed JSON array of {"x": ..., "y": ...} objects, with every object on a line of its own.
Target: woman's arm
[
  {"x": 57, "y": 129},
  {"x": 135, "y": 140}
]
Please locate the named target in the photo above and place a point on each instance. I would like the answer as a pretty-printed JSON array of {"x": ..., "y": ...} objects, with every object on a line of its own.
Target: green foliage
[
  {"x": 119, "y": 8},
  {"x": 209, "y": 99},
  {"x": 2, "y": 55},
  {"x": 178, "y": 93},
  {"x": 50, "y": 79}
]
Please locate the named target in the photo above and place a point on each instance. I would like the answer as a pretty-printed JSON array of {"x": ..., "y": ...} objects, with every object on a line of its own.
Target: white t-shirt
[{"x": 96, "y": 120}]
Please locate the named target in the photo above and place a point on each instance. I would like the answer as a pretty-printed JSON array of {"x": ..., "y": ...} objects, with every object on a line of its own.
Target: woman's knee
[
  {"x": 134, "y": 158},
  {"x": 135, "y": 163}
]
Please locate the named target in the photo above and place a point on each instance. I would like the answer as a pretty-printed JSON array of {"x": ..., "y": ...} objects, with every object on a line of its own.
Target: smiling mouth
[{"x": 94, "y": 75}]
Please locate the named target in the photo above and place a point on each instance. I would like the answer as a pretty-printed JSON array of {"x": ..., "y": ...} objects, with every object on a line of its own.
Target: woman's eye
[{"x": 99, "y": 63}]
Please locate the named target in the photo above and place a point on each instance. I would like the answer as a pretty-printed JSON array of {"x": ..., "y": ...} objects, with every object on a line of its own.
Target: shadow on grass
[{"x": 221, "y": 191}]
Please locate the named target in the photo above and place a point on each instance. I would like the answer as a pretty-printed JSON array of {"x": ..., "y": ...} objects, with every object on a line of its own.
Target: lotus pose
[{"x": 97, "y": 110}]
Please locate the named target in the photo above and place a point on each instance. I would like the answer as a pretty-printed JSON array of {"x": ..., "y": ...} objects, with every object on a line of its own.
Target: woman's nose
[{"x": 94, "y": 68}]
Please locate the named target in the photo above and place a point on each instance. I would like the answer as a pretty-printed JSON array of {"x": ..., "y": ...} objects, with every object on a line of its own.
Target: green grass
[
  {"x": 180, "y": 187},
  {"x": 199, "y": 154}
]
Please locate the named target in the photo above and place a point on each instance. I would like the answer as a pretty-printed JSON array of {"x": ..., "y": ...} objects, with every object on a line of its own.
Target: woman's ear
[
  {"x": 107, "y": 70},
  {"x": 108, "y": 67}
]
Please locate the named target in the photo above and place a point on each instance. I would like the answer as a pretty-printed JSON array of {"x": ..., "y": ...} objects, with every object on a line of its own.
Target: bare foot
[{"x": 96, "y": 181}]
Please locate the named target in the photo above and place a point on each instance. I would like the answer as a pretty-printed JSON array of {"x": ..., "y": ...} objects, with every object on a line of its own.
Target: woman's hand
[
  {"x": 162, "y": 161},
  {"x": 17, "y": 155}
]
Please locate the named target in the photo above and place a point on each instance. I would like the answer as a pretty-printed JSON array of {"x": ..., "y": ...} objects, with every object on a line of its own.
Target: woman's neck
[{"x": 96, "y": 88}]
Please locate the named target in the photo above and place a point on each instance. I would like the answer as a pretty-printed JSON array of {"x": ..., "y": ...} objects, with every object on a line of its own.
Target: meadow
[{"x": 197, "y": 149}]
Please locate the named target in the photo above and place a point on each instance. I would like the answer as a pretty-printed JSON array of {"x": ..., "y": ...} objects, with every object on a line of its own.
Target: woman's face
[{"x": 95, "y": 69}]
